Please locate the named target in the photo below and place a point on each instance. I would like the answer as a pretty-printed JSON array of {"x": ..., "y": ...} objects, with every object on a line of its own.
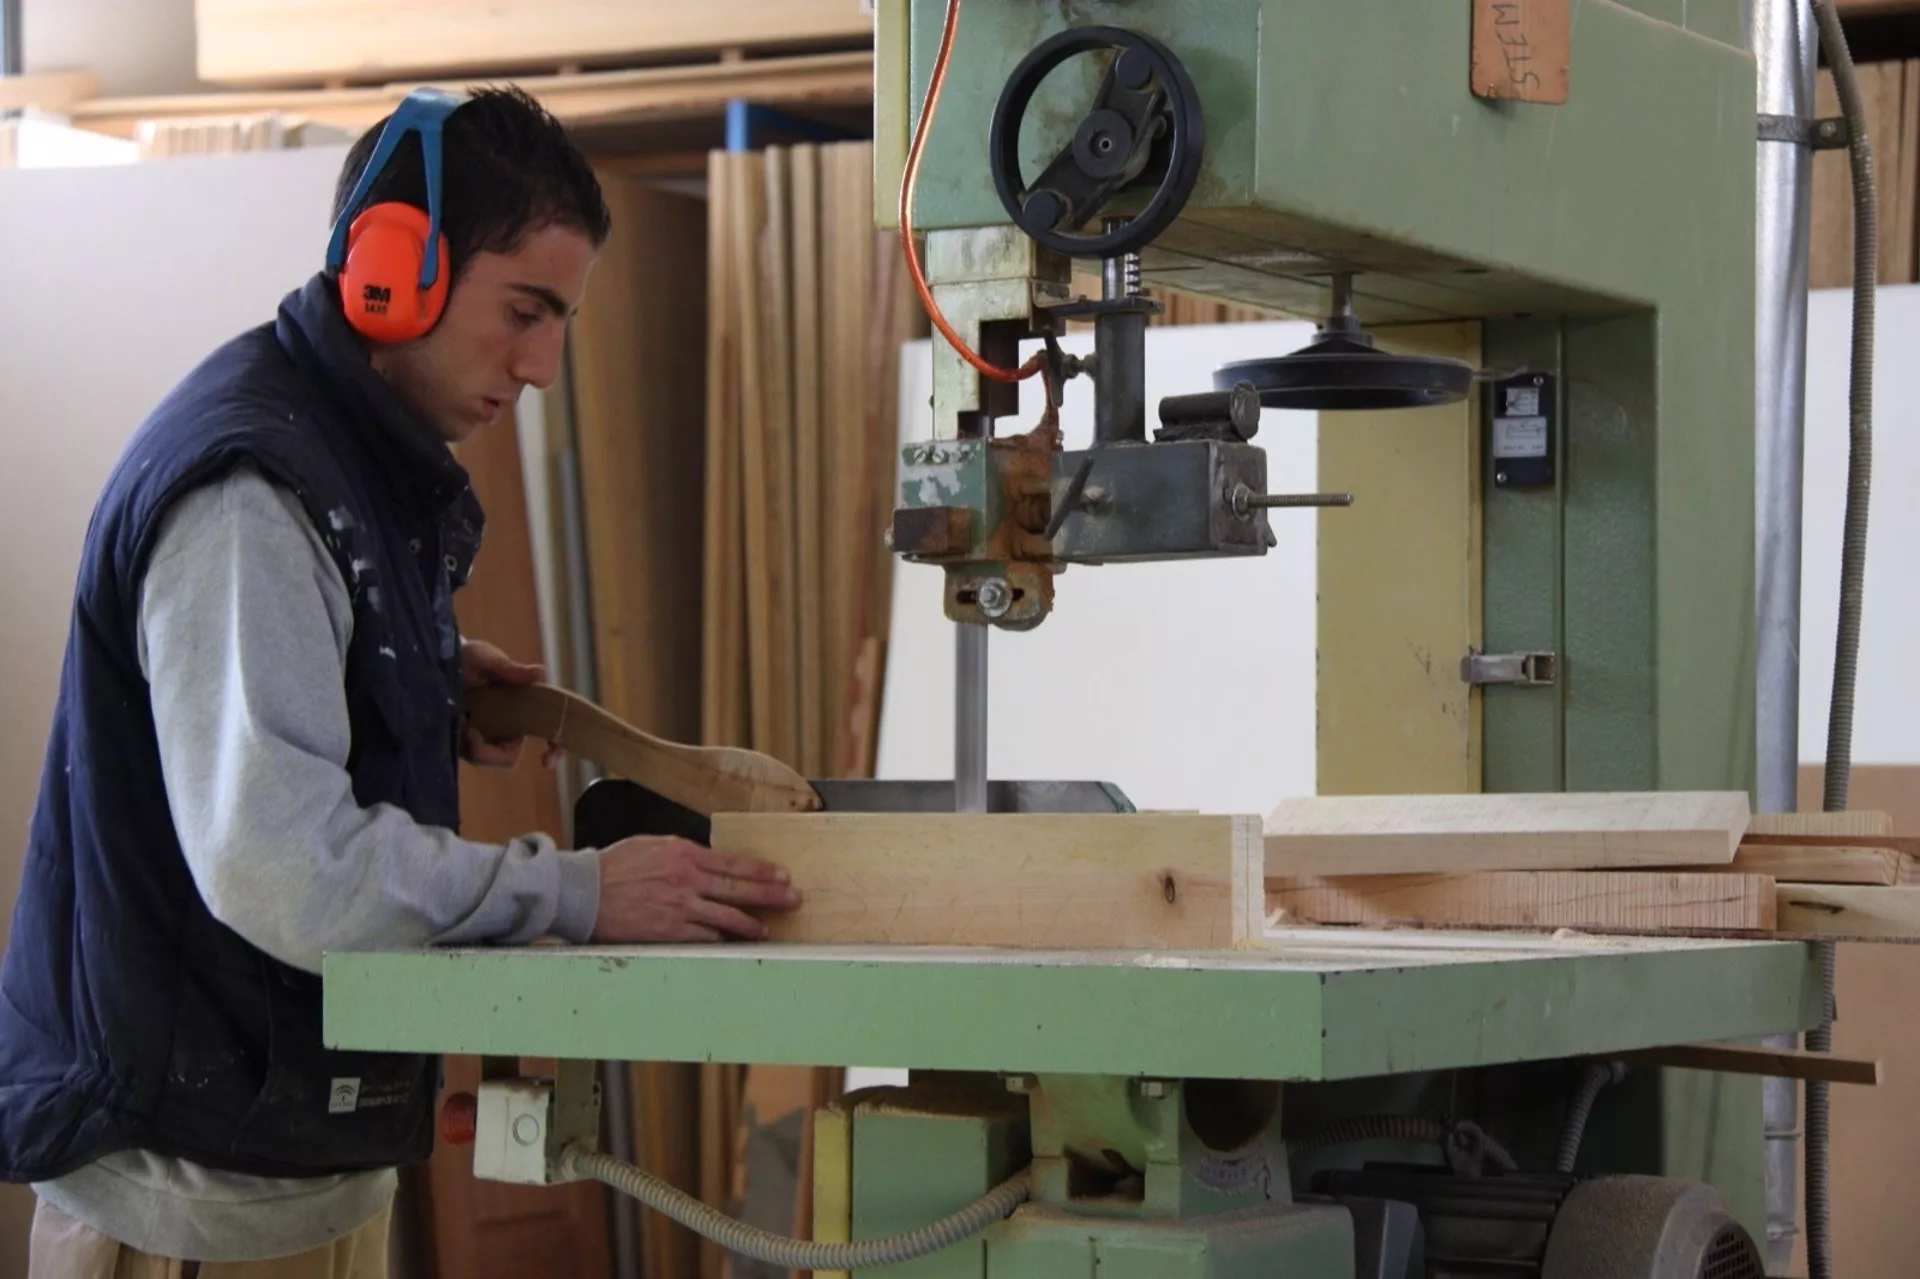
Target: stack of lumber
[
  {"x": 1659, "y": 863},
  {"x": 269, "y": 42},
  {"x": 807, "y": 309},
  {"x": 1665, "y": 863}
]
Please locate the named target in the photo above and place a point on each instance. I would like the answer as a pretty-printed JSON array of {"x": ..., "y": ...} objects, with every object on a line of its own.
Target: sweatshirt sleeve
[{"x": 244, "y": 624}]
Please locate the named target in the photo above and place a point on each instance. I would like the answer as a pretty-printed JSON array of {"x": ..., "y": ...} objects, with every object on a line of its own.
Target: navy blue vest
[{"x": 129, "y": 1016}]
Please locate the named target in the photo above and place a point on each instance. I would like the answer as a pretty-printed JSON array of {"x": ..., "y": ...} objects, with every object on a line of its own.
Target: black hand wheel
[{"x": 1145, "y": 124}]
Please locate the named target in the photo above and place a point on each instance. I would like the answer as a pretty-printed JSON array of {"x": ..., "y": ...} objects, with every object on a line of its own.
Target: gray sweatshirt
[{"x": 244, "y": 625}]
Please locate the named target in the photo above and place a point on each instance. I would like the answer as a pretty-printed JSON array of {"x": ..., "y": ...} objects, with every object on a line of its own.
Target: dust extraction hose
[
  {"x": 1853, "y": 566},
  {"x": 796, "y": 1254}
]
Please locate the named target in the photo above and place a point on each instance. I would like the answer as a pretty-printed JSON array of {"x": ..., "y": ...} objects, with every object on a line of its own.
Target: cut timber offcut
[
  {"x": 1029, "y": 880},
  {"x": 1412, "y": 834},
  {"x": 1851, "y": 911},
  {"x": 1624, "y": 901}
]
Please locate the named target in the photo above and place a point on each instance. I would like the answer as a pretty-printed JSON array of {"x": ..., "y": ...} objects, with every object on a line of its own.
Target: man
[{"x": 254, "y": 753}]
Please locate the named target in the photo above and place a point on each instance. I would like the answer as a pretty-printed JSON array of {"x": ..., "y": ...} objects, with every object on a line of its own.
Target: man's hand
[
  {"x": 482, "y": 663},
  {"x": 659, "y": 888}
]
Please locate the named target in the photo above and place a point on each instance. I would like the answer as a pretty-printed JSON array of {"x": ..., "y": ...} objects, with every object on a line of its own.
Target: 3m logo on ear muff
[{"x": 392, "y": 258}]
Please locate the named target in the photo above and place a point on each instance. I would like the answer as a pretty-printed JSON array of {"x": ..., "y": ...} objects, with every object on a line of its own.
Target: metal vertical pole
[
  {"x": 12, "y": 47},
  {"x": 1784, "y": 43},
  {"x": 970, "y": 718}
]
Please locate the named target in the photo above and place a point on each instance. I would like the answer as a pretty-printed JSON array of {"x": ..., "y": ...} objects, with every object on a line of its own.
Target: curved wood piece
[{"x": 706, "y": 779}]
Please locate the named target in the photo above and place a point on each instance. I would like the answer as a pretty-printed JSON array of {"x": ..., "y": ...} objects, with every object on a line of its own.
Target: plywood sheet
[
  {"x": 1394, "y": 834},
  {"x": 271, "y": 42},
  {"x": 1043, "y": 880},
  {"x": 638, "y": 383},
  {"x": 1629, "y": 901}
]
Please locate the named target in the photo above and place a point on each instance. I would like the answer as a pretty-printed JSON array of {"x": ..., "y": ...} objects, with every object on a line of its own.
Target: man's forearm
[{"x": 245, "y": 624}]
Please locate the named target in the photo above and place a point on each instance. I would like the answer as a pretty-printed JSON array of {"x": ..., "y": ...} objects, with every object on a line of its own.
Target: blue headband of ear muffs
[{"x": 423, "y": 111}]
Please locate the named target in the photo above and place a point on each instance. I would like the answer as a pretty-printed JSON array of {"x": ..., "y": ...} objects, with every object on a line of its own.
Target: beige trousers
[{"x": 62, "y": 1248}]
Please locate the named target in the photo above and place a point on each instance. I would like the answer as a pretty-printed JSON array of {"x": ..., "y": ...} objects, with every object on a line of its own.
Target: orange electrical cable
[{"x": 994, "y": 371}]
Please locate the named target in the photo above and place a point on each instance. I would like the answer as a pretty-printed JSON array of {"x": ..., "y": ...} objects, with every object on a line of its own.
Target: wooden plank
[
  {"x": 1820, "y": 864},
  {"x": 1851, "y": 822},
  {"x": 1026, "y": 880},
  {"x": 591, "y": 99},
  {"x": 749, "y": 217},
  {"x": 775, "y": 551},
  {"x": 1778, "y": 1063},
  {"x": 52, "y": 91},
  {"x": 1885, "y": 91},
  {"x": 638, "y": 379},
  {"x": 1522, "y": 49},
  {"x": 1613, "y": 901},
  {"x": 1907, "y": 845},
  {"x": 1407, "y": 834},
  {"x": 811, "y": 566},
  {"x": 723, "y": 663},
  {"x": 1850, "y": 911},
  {"x": 272, "y": 42}
]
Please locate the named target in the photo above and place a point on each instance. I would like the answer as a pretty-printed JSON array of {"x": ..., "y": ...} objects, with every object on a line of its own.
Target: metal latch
[{"x": 1509, "y": 668}]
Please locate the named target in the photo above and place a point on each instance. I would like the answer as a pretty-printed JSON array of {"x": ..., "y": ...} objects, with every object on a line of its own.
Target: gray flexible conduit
[
  {"x": 796, "y": 1254},
  {"x": 1853, "y": 565},
  {"x": 1598, "y": 1075}
]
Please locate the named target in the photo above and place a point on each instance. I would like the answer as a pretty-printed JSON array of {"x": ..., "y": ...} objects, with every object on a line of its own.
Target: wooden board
[
  {"x": 1851, "y": 911},
  {"x": 1615, "y": 901},
  {"x": 272, "y": 42},
  {"x": 1779, "y": 1063},
  {"x": 1410, "y": 834},
  {"x": 1891, "y": 94},
  {"x": 1852, "y": 822},
  {"x": 723, "y": 662},
  {"x": 1522, "y": 49},
  {"x": 1821, "y": 864},
  {"x": 586, "y": 100},
  {"x": 1027, "y": 880},
  {"x": 638, "y": 384}
]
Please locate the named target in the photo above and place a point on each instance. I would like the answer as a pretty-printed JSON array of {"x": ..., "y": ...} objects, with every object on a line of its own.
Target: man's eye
[{"x": 526, "y": 319}]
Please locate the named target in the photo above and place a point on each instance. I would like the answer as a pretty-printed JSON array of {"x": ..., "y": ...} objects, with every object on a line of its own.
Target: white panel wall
[
  {"x": 1886, "y": 724},
  {"x": 1189, "y": 685}
]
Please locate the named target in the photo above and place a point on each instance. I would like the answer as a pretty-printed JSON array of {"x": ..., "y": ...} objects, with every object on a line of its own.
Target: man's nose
[{"x": 536, "y": 358}]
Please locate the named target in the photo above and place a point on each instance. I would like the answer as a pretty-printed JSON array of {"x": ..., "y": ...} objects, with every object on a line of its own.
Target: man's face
[{"x": 503, "y": 330}]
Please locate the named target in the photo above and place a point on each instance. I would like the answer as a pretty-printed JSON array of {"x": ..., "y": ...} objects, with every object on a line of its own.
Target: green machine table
[{"x": 1131, "y": 1079}]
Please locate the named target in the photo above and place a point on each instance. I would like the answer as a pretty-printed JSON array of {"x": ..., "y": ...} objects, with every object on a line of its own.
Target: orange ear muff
[{"x": 380, "y": 289}]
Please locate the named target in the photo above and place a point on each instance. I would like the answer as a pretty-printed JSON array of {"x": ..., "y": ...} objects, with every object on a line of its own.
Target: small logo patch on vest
[{"x": 345, "y": 1097}]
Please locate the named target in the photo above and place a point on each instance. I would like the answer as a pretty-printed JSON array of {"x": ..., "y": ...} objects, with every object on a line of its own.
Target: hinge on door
[{"x": 1529, "y": 669}]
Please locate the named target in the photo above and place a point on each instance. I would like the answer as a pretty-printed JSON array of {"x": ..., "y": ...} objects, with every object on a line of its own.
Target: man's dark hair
[{"x": 507, "y": 168}]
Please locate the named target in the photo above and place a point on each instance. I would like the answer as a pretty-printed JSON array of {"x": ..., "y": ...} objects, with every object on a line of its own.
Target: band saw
[{"x": 1340, "y": 1103}]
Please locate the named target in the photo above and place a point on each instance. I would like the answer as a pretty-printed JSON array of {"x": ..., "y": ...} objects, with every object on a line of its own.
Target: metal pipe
[
  {"x": 970, "y": 719},
  {"x": 12, "y": 41},
  {"x": 1782, "y": 37}
]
